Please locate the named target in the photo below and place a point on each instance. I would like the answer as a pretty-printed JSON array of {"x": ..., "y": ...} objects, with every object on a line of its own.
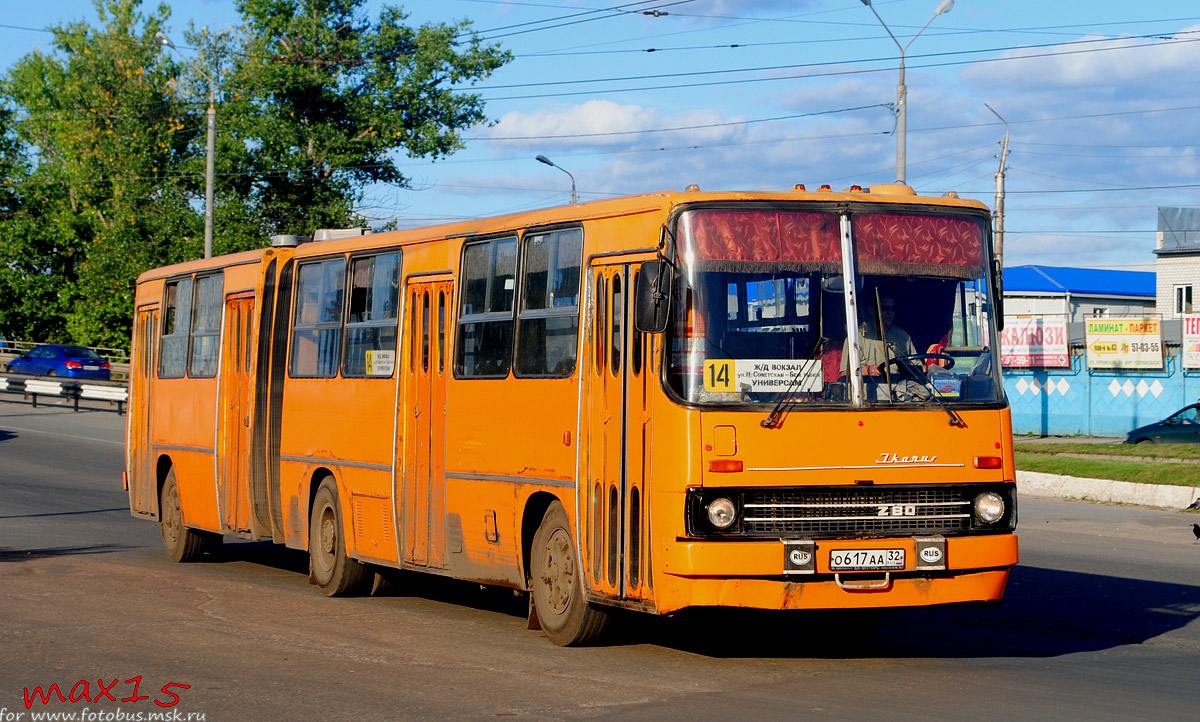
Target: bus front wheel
[
  {"x": 333, "y": 571},
  {"x": 562, "y": 611},
  {"x": 183, "y": 544}
]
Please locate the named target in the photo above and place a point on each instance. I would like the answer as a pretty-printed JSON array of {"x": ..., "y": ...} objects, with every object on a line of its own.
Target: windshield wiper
[
  {"x": 887, "y": 348},
  {"x": 775, "y": 419}
]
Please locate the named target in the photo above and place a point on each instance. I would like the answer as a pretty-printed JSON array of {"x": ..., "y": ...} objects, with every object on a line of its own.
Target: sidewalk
[{"x": 1034, "y": 483}]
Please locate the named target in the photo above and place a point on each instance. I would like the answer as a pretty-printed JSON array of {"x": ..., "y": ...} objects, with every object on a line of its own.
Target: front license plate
[{"x": 865, "y": 560}]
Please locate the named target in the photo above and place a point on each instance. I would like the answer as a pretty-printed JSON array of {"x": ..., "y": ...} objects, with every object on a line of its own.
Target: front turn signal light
[
  {"x": 988, "y": 462},
  {"x": 725, "y": 466}
]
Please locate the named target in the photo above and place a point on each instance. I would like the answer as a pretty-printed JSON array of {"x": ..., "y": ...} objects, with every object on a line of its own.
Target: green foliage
[
  {"x": 1184, "y": 474},
  {"x": 102, "y": 134},
  {"x": 102, "y": 143}
]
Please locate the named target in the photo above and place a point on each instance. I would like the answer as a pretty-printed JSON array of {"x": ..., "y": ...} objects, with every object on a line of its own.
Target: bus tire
[
  {"x": 336, "y": 574},
  {"x": 562, "y": 611},
  {"x": 183, "y": 544}
]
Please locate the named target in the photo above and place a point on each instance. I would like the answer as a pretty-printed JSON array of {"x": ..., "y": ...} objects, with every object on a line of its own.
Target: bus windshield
[{"x": 761, "y": 309}]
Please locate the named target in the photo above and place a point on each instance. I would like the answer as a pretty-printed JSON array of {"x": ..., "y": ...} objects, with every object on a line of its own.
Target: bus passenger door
[
  {"x": 142, "y": 483},
  {"x": 613, "y": 508},
  {"x": 426, "y": 367},
  {"x": 236, "y": 400}
]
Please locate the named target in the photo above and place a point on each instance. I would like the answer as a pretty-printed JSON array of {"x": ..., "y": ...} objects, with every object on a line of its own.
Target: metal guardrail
[{"x": 33, "y": 386}]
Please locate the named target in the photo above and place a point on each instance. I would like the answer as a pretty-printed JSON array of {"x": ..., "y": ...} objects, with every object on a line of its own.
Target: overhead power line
[
  {"x": 940, "y": 32},
  {"x": 682, "y": 127},
  {"x": 889, "y": 59}
]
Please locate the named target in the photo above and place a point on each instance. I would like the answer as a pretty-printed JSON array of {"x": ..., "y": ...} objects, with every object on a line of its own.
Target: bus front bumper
[{"x": 751, "y": 574}]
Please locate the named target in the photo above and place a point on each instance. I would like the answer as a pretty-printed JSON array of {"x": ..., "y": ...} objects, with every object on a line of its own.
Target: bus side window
[
  {"x": 598, "y": 329},
  {"x": 206, "y": 326},
  {"x": 548, "y": 323},
  {"x": 373, "y": 315},
  {"x": 317, "y": 323},
  {"x": 618, "y": 320},
  {"x": 177, "y": 314},
  {"x": 441, "y": 331},
  {"x": 636, "y": 340},
  {"x": 485, "y": 319}
]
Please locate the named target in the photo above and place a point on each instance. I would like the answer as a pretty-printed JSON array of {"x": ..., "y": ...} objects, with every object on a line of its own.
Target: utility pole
[
  {"x": 998, "y": 215},
  {"x": 210, "y": 146}
]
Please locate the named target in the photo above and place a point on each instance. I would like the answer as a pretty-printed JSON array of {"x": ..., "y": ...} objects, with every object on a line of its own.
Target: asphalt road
[{"x": 1099, "y": 624}]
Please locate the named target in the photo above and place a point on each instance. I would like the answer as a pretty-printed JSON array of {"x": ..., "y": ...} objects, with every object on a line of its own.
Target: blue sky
[{"x": 1100, "y": 96}]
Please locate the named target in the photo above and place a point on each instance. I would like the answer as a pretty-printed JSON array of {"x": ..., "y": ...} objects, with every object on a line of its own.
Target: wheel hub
[{"x": 558, "y": 572}]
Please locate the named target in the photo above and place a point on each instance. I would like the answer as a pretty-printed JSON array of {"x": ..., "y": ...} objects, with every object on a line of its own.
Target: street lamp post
[
  {"x": 902, "y": 90},
  {"x": 547, "y": 161},
  {"x": 211, "y": 148}
]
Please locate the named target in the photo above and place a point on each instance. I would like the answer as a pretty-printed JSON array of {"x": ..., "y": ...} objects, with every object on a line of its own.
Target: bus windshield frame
[{"x": 762, "y": 311}]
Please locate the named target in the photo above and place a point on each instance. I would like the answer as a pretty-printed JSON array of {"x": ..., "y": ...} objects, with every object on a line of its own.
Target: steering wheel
[{"x": 921, "y": 358}]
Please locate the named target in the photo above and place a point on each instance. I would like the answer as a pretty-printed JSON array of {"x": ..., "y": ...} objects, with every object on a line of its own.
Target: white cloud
[
  {"x": 1127, "y": 65},
  {"x": 605, "y": 124}
]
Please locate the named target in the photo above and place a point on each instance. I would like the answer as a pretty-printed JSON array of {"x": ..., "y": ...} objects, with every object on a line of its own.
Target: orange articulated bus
[{"x": 657, "y": 402}]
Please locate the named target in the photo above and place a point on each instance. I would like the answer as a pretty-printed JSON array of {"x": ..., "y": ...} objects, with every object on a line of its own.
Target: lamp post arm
[{"x": 885, "y": 27}]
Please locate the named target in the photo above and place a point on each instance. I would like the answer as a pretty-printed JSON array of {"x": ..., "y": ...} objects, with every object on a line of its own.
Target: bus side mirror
[
  {"x": 998, "y": 293},
  {"x": 652, "y": 297}
]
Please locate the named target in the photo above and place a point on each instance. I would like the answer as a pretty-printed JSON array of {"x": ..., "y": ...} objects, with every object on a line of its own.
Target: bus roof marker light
[
  {"x": 799, "y": 187},
  {"x": 692, "y": 188},
  {"x": 826, "y": 187},
  {"x": 950, "y": 194},
  {"x": 858, "y": 189}
]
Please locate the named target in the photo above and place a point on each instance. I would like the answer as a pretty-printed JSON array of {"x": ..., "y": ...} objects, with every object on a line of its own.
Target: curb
[{"x": 1162, "y": 496}]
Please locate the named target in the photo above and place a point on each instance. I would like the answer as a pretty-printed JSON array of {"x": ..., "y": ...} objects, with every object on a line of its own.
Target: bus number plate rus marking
[
  {"x": 799, "y": 556},
  {"x": 865, "y": 560}
]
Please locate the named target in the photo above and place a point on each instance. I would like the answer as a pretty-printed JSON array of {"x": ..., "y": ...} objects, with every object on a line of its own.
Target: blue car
[
  {"x": 1181, "y": 427},
  {"x": 73, "y": 362}
]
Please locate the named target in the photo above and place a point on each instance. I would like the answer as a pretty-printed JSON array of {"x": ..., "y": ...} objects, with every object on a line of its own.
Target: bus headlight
[
  {"x": 989, "y": 507},
  {"x": 721, "y": 513}
]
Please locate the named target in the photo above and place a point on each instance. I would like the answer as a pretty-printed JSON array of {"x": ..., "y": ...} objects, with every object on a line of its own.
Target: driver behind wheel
[{"x": 872, "y": 354}]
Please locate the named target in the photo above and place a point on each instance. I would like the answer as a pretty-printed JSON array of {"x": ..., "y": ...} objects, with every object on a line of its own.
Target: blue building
[{"x": 1077, "y": 293}]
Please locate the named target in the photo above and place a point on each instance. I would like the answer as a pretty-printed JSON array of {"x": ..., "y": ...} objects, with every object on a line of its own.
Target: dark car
[
  {"x": 1181, "y": 427},
  {"x": 73, "y": 362}
]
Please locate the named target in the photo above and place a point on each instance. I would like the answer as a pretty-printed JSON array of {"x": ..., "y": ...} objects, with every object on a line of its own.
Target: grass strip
[
  {"x": 1151, "y": 451},
  {"x": 1116, "y": 469}
]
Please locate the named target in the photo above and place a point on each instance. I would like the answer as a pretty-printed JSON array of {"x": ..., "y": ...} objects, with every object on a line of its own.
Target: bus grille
[{"x": 856, "y": 511}]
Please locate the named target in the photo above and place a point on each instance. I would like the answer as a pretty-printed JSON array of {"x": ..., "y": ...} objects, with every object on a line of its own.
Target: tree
[
  {"x": 105, "y": 154},
  {"x": 102, "y": 199},
  {"x": 318, "y": 101}
]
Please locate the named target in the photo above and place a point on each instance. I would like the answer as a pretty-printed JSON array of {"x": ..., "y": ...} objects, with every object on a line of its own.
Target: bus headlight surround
[
  {"x": 989, "y": 507},
  {"x": 721, "y": 513}
]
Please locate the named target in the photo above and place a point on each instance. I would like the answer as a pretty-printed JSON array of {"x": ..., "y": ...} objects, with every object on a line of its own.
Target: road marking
[{"x": 68, "y": 436}]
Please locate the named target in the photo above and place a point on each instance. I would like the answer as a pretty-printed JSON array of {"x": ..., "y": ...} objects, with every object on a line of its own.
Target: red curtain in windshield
[
  {"x": 911, "y": 243},
  {"x": 741, "y": 239}
]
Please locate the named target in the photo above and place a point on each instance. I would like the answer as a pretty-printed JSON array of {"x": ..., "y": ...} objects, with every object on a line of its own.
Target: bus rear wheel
[
  {"x": 562, "y": 611},
  {"x": 183, "y": 544},
  {"x": 333, "y": 571}
]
